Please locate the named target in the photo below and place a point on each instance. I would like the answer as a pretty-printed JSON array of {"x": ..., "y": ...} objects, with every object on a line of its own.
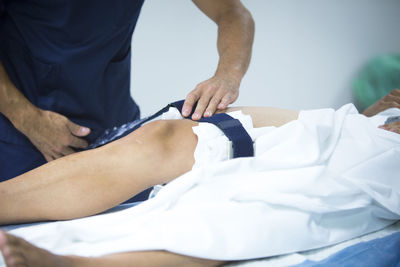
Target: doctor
[{"x": 65, "y": 73}]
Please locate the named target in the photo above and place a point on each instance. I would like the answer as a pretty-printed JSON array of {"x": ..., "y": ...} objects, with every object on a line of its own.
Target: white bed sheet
[
  {"x": 315, "y": 254},
  {"x": 320, "y": 180},
  {"x": 280, "y": 260}
]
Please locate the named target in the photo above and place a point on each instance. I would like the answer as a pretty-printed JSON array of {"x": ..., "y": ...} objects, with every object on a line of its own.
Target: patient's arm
[
  {"x": 393, "y": 127},
  {"x": 391, "y": 100},
  {"x": 92, "y": 181}
]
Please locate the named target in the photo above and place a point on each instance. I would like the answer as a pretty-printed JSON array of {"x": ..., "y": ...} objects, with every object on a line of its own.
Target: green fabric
[{"x": 380, "y": 76}]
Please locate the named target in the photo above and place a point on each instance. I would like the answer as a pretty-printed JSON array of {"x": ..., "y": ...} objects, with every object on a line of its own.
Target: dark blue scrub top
[{"x": 71, "y": 57}]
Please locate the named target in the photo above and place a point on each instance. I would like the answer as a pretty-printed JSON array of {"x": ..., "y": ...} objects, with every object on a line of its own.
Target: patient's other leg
[
  {"x": 267, "y": 116},
  {"x": 92, "y": 181},
  {"x": 18, "y": 252}
]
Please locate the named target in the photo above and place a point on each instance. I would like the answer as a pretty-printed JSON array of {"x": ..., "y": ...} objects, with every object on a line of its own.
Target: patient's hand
[
  {"x": 391, "y": 100},
  {"x": 393, "y": 127}
]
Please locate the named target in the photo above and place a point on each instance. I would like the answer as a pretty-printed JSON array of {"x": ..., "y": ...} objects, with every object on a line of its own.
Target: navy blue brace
[{"x": 241, "y": 141}]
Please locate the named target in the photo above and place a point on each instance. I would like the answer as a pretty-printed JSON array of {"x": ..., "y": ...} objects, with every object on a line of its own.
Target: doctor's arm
[
  {"x": 51, "y": 133},
  {"x": 235, "y": 40}
]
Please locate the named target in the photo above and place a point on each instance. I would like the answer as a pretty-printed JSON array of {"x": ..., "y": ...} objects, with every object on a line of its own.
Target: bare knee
[
  {"x": 175, "y": 142},
  {"x": 168, "y": 132},
  {"x": 168, "y": 143},
  {"x": 162, "y": 130},
  {"x": 163, "y": 134}
]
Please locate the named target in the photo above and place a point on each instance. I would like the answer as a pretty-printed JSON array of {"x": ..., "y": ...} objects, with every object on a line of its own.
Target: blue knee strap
[{"x": 241, "y": 141}]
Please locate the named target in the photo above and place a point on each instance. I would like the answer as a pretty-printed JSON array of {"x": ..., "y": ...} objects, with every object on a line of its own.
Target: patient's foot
[{"x": 18, "y": 252}]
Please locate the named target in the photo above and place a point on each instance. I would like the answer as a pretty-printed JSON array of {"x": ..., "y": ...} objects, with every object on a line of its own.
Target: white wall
[{"x": 305, "y": 55}]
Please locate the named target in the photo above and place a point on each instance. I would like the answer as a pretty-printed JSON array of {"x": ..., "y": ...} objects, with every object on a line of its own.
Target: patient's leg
[
  {"x": 90, "y": 182},
  {"x": 18, "y": 252},
  {"x": 93, "y": 181}
]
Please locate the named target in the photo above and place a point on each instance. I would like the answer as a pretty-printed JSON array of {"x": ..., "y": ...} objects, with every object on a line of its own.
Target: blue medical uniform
[{"x": 71, "y": 57}]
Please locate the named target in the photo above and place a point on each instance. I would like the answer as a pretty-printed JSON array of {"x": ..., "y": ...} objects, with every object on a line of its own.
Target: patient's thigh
[{"x": 267, "y": 116}]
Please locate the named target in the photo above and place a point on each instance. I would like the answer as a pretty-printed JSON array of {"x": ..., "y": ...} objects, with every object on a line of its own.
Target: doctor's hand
[
  {"x": 215, "y": 93},
  {"x": 53, "y": 134}
]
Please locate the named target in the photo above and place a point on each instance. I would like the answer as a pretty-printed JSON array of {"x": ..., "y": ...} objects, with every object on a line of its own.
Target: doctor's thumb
[{"x": 78, "y": 130}]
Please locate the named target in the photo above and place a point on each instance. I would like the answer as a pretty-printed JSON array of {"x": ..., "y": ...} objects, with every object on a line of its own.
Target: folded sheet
[{"x": 327, "y": 177}]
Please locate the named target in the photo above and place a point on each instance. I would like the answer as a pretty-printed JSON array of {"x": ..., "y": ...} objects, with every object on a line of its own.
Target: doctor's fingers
[
  {"x": 202, "y": 94},
  {"x": 50, "y": 155},
  {"x": 77, "y": 142},
  {"x": 201, "y": 107},
  {"x": 213, "y": 100},
  {"x": 47, "y": 156},
  {"x": 217, "y": 101},
  {"x": 190, "y": 99},
  {"x": 228, "y": 98},
  {"x": 56, "y": 155},
  {"x": 59, "y": 153},
  {"x": 67, "y": 151},
  {"x": 77, "y": 130},
  {"x": 65, "y": 146},
  {"x": 214, "y": 94},
  {"x": 60, "y": 150}
]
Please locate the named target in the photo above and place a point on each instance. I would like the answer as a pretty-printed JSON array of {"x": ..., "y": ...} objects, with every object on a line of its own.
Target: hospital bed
[{"x": 314, "y": 174}]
